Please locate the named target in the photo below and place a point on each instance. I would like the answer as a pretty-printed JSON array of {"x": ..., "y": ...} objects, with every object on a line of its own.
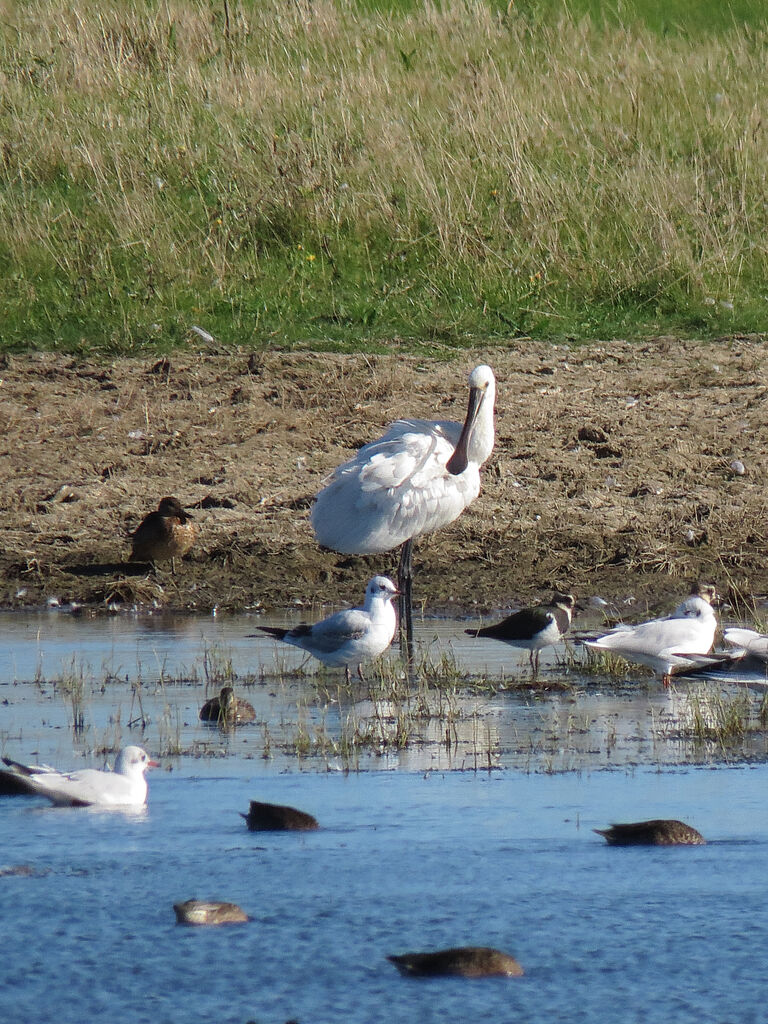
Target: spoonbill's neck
[{"x": 476, "y": 440}]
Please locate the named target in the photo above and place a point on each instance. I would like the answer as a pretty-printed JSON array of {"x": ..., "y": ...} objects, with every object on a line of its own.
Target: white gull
[
  {"x": 351, "y": 636},
  {"x": 123, "y": 787},
  {"x": 747, "y": 641},
  {"x": 670, "y": 645}
]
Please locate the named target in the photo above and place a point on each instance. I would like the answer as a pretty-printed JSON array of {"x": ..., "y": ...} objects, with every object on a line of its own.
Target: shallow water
[
  {"x": 406, "y": 859},
  {"x": 143, "y": 679}
]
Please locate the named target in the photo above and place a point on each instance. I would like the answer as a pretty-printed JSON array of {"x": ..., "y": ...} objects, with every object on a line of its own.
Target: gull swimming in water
[
  {"x": 351, "y": 636},
  {"x": 668, "y": 646},
  {"x": 163, "y": 534},
  {"x": 532, "y": 628},
  {"x": 417, "y": 478},
  {"x": 123, "y": 787}
]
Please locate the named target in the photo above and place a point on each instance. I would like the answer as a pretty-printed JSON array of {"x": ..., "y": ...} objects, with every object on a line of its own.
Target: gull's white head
[
  {"x": 382, "y": 588},
  {"x": 133, "y": 761}
]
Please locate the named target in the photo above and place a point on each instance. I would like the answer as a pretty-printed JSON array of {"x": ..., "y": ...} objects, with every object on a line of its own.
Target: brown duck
[
  {"x": 201, "y": 912},
  {"x": 657, "y": 832},
  {"x": 227, "y": 710},
  {"x": 277, "y": 818},
  {"x": 164, "y": 534},
  {"x": 463, "y": 962}
]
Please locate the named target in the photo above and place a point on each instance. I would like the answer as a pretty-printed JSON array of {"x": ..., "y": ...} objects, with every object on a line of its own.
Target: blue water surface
[{"x": 403, "y": 861}]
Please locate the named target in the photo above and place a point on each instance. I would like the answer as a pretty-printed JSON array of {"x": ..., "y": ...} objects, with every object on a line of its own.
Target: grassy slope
[{"x": 338, "y": 175}]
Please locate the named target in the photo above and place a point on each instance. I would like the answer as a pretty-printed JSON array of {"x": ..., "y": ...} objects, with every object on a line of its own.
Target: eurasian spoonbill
[{"x": 417, "y": 478}]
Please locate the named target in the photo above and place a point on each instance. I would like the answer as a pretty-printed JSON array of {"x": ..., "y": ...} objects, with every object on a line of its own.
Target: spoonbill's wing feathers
[
  {"x": 394, "y": 489},
  {"x": 441, "y": 430},
  {"x": 411, "y": 452}
]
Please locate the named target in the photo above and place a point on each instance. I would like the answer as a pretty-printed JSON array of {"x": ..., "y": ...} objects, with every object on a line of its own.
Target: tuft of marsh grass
[
  {"x": 723, "y": 718},
  {"x": 217, "y": 667},
  {"x": 72, "y": 686},
  {"x": 344, "y": 173},
  {"x": 592, "y": 661}
]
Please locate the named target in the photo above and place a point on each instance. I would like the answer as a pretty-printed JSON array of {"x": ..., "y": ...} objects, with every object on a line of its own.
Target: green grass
[{"x": 340, "y": 175}]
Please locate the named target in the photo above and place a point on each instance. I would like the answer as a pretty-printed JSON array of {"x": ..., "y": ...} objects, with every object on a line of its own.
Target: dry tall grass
[{"x": 448, "y": 170}]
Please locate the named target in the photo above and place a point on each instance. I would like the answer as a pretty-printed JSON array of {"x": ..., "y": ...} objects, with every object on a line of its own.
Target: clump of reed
[
  {"x": 72, "y": 687},
  {"x": 728, "y": 719}
]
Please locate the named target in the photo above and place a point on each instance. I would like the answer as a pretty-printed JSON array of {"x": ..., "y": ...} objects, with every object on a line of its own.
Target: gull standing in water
[
  {"x": 418, "y": 477},
  {"x": 672, "y": 645},
  {"x": 351, "y": 636},
  {"x": 533, "y": 628},
  {"x": 123, "y": 787}
]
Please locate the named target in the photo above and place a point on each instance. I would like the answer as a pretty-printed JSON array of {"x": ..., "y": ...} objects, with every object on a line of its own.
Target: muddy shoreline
[{"x": 613, "y": 474}]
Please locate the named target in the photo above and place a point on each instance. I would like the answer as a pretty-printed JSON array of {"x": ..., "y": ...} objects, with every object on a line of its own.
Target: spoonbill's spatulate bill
[
  {"x": 123, "y": 787},
  {"x": 418, "y": 477},
  {"x": 348, "y": 637},
  {"x": 669, "y": 646},
  {"x": 532, "y": 628}
]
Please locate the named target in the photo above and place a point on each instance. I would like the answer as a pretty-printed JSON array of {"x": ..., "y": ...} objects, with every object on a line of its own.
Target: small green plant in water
[{"x": 72, "y": 687}]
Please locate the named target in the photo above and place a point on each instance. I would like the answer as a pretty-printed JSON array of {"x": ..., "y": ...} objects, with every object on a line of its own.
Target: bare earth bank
[{"x": 612, "y": 473}]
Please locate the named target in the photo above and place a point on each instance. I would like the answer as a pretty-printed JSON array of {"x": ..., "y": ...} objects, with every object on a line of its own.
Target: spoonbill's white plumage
[
  {"x": 123, "y": 787},
  {"x": 351, "y": 636},
  {"x": 418, "y": 477},
  {"x": 669, "y": 645}
]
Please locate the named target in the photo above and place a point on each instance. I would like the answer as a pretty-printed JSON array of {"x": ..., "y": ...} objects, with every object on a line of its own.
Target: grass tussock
[
  {"x": 728, "y": 721},
  {"x": 332, "y": 172}
]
